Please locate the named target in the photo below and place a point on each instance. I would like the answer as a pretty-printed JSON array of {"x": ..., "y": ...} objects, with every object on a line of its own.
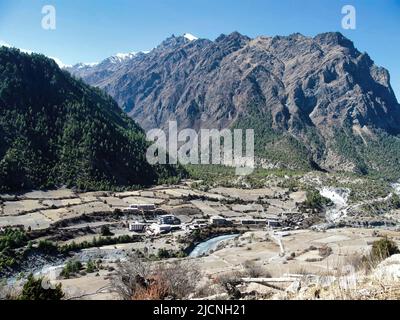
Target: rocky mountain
[
  {"x": 314, "y": 102},
  {"x": 56, "y": 131}
]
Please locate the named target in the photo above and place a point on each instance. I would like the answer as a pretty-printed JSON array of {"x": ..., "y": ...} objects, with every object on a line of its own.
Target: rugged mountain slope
[
  {"x": 314, "y": 102},
  {"x": 56, "y": 130}
]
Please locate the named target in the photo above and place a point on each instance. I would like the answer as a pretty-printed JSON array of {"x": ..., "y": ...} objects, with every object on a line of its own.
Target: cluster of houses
[
  {"x": 164, "y": 224},
  {"x": 167, "y": 223}
]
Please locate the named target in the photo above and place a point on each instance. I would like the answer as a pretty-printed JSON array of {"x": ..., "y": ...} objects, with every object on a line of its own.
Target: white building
[
  {"x": 137, "y": 226},
  {"x": 160, "y": 228},
  {"x": 140, "y": 207},
  {"x": 218, "y": 221},
  {"x": 194, "y": 226}
]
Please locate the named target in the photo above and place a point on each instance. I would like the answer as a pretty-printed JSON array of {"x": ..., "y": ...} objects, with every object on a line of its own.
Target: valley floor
[
  {"x": 258, "y": 248},
  {"x": 276, "y": 232}
]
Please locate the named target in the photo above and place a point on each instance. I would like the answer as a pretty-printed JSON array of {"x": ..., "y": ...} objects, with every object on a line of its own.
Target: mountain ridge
[{"x": 318, "y": 95}]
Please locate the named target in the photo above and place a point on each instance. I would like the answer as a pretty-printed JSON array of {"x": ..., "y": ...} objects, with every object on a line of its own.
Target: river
[
  {"x": 51, "y": 269},
  {"x": 210, "y": 245}
]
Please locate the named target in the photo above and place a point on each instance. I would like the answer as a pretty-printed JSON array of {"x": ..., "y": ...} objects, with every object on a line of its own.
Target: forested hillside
[{"x": 56, "y": 130}]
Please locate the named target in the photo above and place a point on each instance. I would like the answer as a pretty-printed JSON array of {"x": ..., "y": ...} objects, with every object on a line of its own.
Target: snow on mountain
[
  {"x": 120, "y": 57},
  {"x": 60, "y": 63},
  {"x": 190, "y": 37},
  {"x": 111, "y": 62},
  {"x": 91, "y": 64},
  {"x": 86, "y": 65}
]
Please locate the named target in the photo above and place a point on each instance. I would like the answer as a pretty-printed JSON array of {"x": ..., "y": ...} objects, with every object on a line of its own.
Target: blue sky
[{"x": 91, "y": 30}]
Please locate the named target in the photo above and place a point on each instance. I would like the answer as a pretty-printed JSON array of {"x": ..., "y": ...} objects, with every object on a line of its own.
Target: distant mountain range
[
  {"x": 57, "y": 131},
  {"x": 314, "y": 102}
]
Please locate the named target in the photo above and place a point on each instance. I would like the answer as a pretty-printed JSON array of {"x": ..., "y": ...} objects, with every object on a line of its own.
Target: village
[
  {"x": 169, "y": 222},
  {"x": 267, "y": 227},
  {"x": 65, "y": 215}
]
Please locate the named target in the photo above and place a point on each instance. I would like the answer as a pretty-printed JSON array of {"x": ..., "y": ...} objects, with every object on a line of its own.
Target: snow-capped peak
[
  {"x": 126, "y": 55},
  {"x": 190, "y": 37},
  {"x": 86, "y": 65},
  {"x": 120, "y": 57},
  {"x": 91, "y": 64}
]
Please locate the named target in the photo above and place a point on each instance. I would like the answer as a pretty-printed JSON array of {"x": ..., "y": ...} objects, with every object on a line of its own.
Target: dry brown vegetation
[
  {"x": 253, "y": 270},
  {"x": 138, "y": 279},
  {"x": 229, "y": 281}
]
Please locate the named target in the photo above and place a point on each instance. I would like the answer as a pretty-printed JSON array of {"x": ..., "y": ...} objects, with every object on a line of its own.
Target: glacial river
[
  {"x": 210, "y": 245},
  {"x": 51, "y": 269}
]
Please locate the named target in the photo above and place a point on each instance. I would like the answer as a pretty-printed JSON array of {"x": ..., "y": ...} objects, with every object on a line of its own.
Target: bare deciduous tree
[
  {"x": 138, "y": 279},
  {"x": 229, "y": 281},
  {"x": 181, "y": 277},
  {"x": 253, "y": 270},
  {"x": 129, "y": 276}
]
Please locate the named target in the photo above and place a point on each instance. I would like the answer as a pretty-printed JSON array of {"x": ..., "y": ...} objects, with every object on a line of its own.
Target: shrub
[
  {"x": 12, "y": 238},
  {"x": 395, "y": 201},
  {"x": 167, "y": 254},
  {"x": 252, "y": 270},
  {"x": 47, "y": 247},
  {"x": 10, "y": 241},
  {"x": 34, "y": 290},
  {"x": 105, "y": 231},
  {"x": 72, "y": 267},
  {"x": 163, "y": 254},
  {"x": 315, "y": 201},
  {"x": 382, "y": 249},
  {"x": 91, "y": 267},
  {"x": 325, "y": 251}
]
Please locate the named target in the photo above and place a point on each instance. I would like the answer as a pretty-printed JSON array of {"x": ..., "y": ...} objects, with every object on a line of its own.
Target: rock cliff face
[{"x": 312, "y": 101}]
